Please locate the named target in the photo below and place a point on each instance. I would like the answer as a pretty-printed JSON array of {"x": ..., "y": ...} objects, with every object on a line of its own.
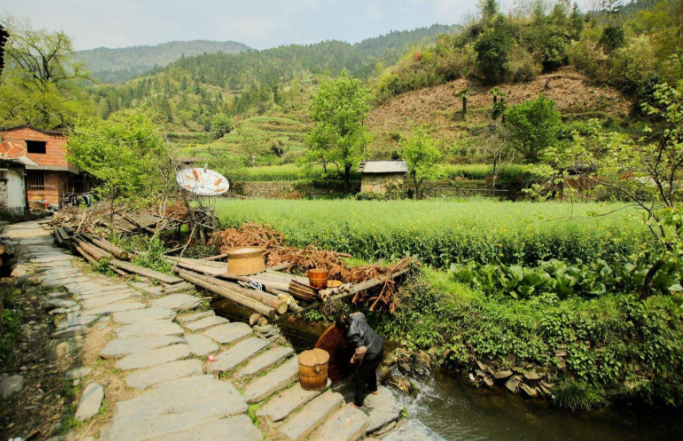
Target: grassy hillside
[{"x": 121, "y": 64}]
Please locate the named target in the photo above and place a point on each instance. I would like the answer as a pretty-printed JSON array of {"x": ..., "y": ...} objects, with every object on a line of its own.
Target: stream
[{"x": 458, "y": 411}]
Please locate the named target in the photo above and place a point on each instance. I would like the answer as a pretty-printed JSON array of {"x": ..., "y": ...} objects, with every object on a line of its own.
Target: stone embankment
[{"x": 155, "y": 366}]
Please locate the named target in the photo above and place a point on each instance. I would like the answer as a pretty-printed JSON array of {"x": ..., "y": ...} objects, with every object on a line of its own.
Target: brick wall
[
  {"x": 54, "y": 188},
  {"x": 55, "y": 149}
]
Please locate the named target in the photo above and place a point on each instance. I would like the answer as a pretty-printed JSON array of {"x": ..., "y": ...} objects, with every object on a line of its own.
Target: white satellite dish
[{"x": 202, "y": 182}]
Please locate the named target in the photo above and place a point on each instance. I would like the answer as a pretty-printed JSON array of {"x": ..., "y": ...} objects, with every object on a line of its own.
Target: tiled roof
[{"x": 384, "y": 167}]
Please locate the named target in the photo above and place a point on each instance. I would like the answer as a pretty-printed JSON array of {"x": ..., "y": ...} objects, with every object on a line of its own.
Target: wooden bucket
[
  {"x": 244, "y": 261},
  {"x": 317, "y": 278},
  {"x": 313, "y": 369}
]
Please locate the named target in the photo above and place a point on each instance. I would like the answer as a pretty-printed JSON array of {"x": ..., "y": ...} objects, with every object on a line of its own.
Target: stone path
[{"x": 158, "y": 344}]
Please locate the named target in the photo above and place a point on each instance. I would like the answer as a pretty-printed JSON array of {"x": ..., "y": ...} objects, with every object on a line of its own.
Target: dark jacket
[{"x": 363, "y": 339}]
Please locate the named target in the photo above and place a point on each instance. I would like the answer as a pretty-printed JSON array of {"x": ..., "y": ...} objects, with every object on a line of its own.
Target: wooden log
[
  {"x": 267, "y": 299},
  {"x": 85, "y": 255},
  {"x": 119, "y": 252},
  {"x": 212, "y": 271},
  {"x": 118, "y": 271},
  {"x": 267, "y": 284},
  {"x": 230, "y": 295},
  {"x": 97, "y": 253},
  {"x": 149, "y": 273},
  {"x": 280, "y": 267},
  {"x": 218, "y": 257}
]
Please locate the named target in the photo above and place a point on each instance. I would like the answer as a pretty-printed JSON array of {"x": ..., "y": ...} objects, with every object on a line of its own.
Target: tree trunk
[
  {"x": 347, "y": 179},
  {"x": 646, "y": 289},
  {"x": 464, "y": 105}
]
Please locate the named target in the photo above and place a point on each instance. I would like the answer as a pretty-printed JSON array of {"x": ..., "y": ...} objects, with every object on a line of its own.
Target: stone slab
[
  {"x": 189, "y": 318},
  {"x": 9, "y": 385},
  {"x": 74, "y": 374},
  {"x": 90, "y": 402},
  {"x": 65, "y": 310},
  {"x": 106, "y": 300},
  {"x": 265, "y": 361},
  {"x": 287, "y": 401},
  {"x": 273, "y": 381},
  {"x": 143, "y": 316},
  {"x": 154, "y": 357},
  {"x": 177, "y": 302},
  {"x": 229, "y": 332},
  {"x": 412, "y": 430},
  {"x": 163, "y": 373},
  {"x": 55, "y": 258},
  {"x": 302, "y": 423},
  {"x": 81, "y": 320},
  {"x": 200, "y": 345},
  {"x": 104, "y": 289},
  {"x": 237, "y": 354},
  {"x": 114, "y": 308},
  {"x": 347, "y": 424},
  {"x": 206, "y": 323},
  {"x": 171, "y": 407},
  {"x": 158, "y": 327},
  {"x": 238, "y": 428},
  {"x": 382, "y": 409},
  {"x": 125, "y": 346},
  {"x": 71, "y": 332}
]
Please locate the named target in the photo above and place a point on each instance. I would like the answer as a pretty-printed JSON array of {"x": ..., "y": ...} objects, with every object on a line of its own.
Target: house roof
[
  {"x": 57, "y": 168},
  {"x": 28, "y": 126},
  {"x": 384, "y": 167}
]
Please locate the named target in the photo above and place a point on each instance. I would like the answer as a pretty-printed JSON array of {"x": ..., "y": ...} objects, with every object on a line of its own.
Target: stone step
[
  {"x": 265, "y": 361},
  {"x": 229, "y": 332},
  {"x": 189, "y": 318},
  {"x": 114, "y": 308},
  {"x": 200, "y": 345},
  {"x": 382, "y": 409},
  {"x": 106, "y": 300},
  {"x": 206, "y": 323},
  {"x": 347, "y": 424},
  {"x": 277, "y": 379},
  {"x": 90, "y": 402},
  {"x": 412, "y": 430},
  {"x": 237, "y": 354},
  {"x": 164, "y": 373},
  {"x": 173, "y": 407},
  {"x": 178, "y": 302},
  {"x": 154, "y": 357},
  {"x": 300, "y": 424},
  {"x": 143, "y": 316},
  {"x": 159, "y": 327},
  {"x": 125, "y": 346},
  {"x": 287, "y": 401},
  {"x": 238, "y": 428}
]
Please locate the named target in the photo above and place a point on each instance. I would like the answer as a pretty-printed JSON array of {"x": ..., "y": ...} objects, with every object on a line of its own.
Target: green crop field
[{"x": 445, "y": 232}]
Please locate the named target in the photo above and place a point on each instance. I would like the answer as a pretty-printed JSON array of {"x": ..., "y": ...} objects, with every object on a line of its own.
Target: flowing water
[{"x": 458, "y": 411}]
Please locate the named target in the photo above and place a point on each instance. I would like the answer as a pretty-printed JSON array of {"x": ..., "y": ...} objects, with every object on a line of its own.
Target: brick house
[{"x": 52, "y": 177}]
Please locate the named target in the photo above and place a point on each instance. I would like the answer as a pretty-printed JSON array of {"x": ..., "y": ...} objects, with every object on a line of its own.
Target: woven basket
[
  {"x": 245, "y": 261},
  {"x": 334, "y": 343}
]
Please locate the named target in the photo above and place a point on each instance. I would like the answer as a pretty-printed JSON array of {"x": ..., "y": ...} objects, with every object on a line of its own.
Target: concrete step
[
  {"x": 287, "y": 401},
  {"x": 300, "y": 424},
  {"x": 382, "y": 409},
  {"x": 412, "y": 430},
  {"x": 273, "y": 381},
  {"x": 265, "y": 361},
  {"x": 347, "y": 424},
  {"x": 237, "y": 354}
]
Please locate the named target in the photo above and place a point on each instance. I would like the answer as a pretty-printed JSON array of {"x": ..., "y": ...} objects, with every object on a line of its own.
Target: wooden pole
[
  {"x": 218, "y": 257},
  {"x": 91, "y": 249},
  {"x": 230, "y": 295},
  {"x": 150, "y": 273},
  {"x": 120, "y": 253},
  {"x": 267, "y": 299},
  {"x": 85, "y": 255}
]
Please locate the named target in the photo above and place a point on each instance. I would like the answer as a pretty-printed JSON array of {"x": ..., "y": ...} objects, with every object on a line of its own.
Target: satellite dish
[{"x": 202, "y": 182}]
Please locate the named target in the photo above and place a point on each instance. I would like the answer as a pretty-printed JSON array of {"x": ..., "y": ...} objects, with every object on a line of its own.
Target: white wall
[{"x": 16, "y": 193}]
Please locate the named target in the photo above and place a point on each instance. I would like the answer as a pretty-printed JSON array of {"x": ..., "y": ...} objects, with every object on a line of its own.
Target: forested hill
[
  {"x": 283, "y": 63},
  {"x": 119, "y": 65}
]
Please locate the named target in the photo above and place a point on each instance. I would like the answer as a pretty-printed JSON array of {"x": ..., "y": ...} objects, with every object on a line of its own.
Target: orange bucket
[{"x": 317, "y": 278}]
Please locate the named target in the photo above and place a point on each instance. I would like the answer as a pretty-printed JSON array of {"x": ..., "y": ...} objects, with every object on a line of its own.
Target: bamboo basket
[
  {"x": 313, "y": 366},
  {"x": 245, "y": 261}
]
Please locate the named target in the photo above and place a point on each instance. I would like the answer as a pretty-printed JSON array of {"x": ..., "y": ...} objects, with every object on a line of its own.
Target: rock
[
  {"x": 229, "y": 332},
  {"x": 196, "y": 316},
  {"x": 278, "y": 378},
  {"x": 529, "y": 391},
  {"x": 125, "y": 346},
  {"x": 90, "y": 402},
  {"x": 171, "y": 407},
  {"x": 234, "y": 428},
  {"x": 502, "y": 375},
  {"x": 177, "y": 302},
  {"x": 71, "y": 332},
  {"x": 423, "y": 358},
  {"x": 412, "y": 430},
  {"x": 163, "y": 373},
  {"x": 300, "y": 424},
  {"x": 61, "y": 351},
  {"x": 66, "y": 310},
  {"x": 9, "y": 385},
  {"x": 561, "y": 352},
  {"x": 200, "y": 345},
  {"x": 237, "y": 354},
  {"x": 513, "y": 383},
  {"x": 100, "y": 301},
  {"x": 532, "y": 375},
  {"x": 348, "y": 424},
  {"x": 143, "y": 316},
  {"x": 264, "y": 329},
  {"x": 401, "y": 383},
  {"x": 382, "y": 409},
  {"x": 287, "y": 401},
  {"x": 159, "y": 327},
  {"x": 206, "y": 323},
  {"x": 115, "y": 307},
  {"x": 78, "y": 320},
  {"x": 59, "y": 303},
  {"x": 383, "y": 373},
  {"x": 265, "y": 361},
  {"x": 154, "y": 357},
  {"x": 78, "y": 373}
]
